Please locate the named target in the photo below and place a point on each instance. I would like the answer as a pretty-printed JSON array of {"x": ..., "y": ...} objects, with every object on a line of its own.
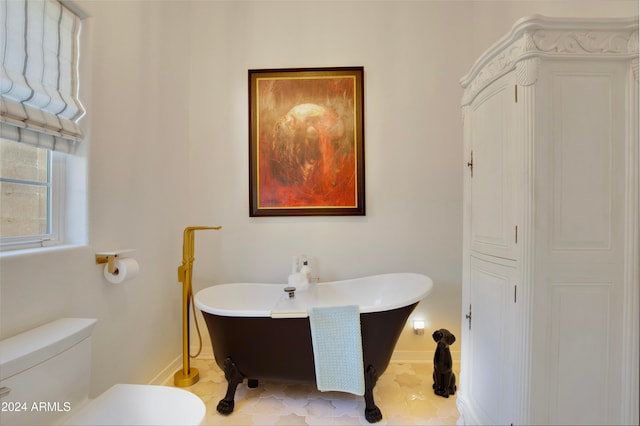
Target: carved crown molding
[
  {"x": 586, "y": 42},
  {"x": 539, "y": 36}
]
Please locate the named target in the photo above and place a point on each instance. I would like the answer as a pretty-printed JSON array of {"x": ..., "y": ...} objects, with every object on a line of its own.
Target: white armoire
[{"x": 550, "y": 270}]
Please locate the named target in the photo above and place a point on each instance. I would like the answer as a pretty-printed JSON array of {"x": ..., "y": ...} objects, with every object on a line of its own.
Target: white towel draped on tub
[{"x": 337, "y": 348}]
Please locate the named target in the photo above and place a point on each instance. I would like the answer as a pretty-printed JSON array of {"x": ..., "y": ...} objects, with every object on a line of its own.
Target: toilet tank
[{"x": 45, "y": 372}]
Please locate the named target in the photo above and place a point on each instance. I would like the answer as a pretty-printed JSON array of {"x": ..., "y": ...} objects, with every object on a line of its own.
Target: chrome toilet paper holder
[{"x": 109, "y": 257}]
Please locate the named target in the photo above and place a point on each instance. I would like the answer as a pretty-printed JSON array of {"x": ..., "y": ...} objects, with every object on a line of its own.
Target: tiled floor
[{"x": 403, "y": 394}]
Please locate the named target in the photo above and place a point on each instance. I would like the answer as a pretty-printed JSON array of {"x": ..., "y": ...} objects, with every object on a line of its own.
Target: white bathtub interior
[{"x": 372, "y": 294}]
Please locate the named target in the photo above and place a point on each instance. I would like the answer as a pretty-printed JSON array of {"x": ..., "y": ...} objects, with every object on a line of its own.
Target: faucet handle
[{"x": 290, "y": 290}]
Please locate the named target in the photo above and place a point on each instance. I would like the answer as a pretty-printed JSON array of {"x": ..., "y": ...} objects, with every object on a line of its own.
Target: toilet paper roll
[{"x": 125, "y": 269}]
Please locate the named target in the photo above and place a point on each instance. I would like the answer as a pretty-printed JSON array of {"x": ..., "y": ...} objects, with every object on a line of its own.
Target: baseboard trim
[
  {"x": 420, "y": 356},
  {"x": 165, "y": 377}
]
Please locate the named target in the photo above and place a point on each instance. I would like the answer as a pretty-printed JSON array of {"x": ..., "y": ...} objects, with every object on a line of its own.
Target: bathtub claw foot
[
  {"x": 234, "y": 378},
  {"x": 371, "y": 412},
  {"x": 225, "y": 407},
  {"x": 373, "y": 415}
]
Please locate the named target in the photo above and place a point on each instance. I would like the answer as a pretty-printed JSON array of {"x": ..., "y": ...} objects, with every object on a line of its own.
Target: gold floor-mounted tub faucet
[{"x": 187, "y": 376}]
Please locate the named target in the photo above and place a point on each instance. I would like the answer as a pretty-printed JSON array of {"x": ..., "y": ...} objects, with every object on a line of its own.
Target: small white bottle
[
  {"x": 306, "y": 271},
  {"x": 296, "y": 279}
]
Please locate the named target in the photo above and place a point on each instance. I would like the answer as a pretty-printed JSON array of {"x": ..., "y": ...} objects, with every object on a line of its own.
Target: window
[
  {"x": 39, "y": 131},
  {"x": 31, "y": 185}
]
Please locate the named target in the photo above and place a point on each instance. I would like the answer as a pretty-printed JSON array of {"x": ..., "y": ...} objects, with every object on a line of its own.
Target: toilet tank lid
[{"x": 30, "y": 348}]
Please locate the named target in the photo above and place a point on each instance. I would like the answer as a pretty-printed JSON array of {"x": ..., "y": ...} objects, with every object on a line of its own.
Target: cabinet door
[
  {"x": 580, "y": 236},
  {"x": 490, "y": 355},
  {"x": 491, "y": 119}
]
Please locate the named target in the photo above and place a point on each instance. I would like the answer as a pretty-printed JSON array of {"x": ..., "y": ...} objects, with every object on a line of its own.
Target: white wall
[
  {"x": 166, "y": 84},
  {"x": 412, "y": 146}
]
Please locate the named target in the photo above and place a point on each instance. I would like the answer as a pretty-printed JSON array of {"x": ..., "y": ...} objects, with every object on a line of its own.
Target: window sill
[{"x": 39, "y": 250}]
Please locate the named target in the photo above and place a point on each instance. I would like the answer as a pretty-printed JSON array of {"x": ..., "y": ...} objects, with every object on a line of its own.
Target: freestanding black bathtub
[{"x": 259, "y": 333}]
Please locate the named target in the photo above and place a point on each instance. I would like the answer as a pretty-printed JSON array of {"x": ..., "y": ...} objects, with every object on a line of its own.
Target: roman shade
[{"x": 39, "y": 85}]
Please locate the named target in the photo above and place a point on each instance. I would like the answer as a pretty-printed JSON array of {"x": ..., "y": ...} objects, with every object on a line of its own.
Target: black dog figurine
[{"x": 444, "y": 381}]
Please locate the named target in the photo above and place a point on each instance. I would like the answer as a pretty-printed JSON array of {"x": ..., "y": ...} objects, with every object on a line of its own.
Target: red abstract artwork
[{"x": 306, "y": 142}]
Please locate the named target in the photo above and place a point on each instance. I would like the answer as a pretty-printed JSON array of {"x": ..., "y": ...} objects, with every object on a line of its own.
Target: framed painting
[{"x": 306, "y": 142}]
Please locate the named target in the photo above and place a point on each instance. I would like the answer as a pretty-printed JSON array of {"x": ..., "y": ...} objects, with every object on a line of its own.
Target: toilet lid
[{"x": 141, "y": 405}]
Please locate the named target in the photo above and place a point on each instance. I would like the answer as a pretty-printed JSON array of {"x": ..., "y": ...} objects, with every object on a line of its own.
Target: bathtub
[{"x": 259, "y": 333}]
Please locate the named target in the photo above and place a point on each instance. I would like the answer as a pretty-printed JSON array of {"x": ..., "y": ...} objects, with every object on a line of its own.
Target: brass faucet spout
[{"x": 197, "y": 228}]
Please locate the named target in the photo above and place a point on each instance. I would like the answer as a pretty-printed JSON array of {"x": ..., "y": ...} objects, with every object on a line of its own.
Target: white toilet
[{"x": 44, "y": 380}]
